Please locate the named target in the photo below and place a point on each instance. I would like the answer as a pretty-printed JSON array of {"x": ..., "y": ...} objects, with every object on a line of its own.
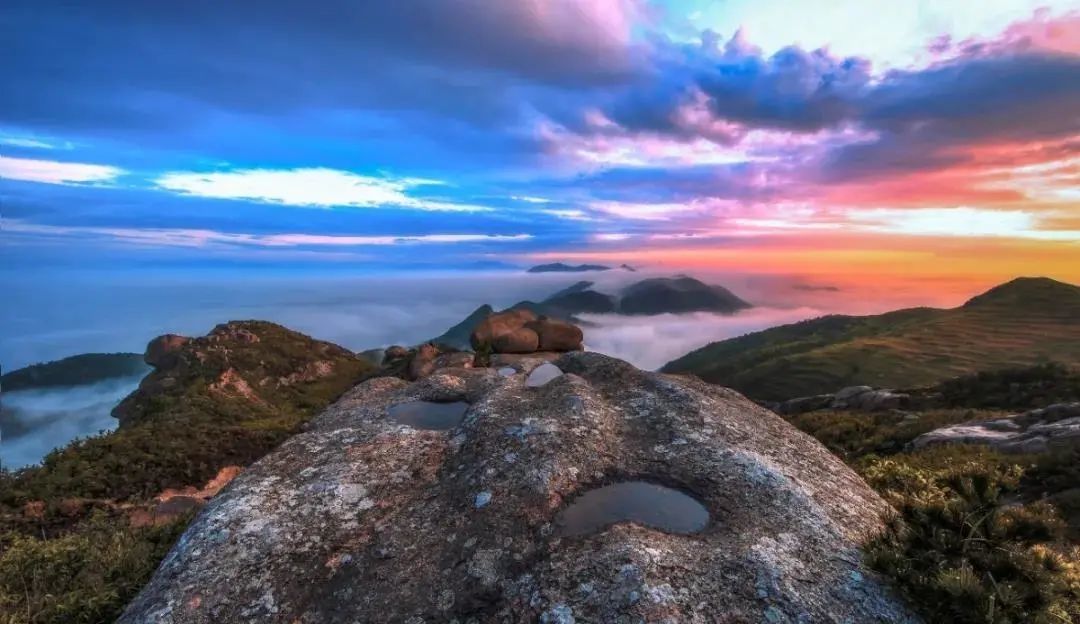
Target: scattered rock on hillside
[
  {"x": 855, "y": 398},
  {"x": 1034, "y": 431},
  {"x": 385, "y": 522}
]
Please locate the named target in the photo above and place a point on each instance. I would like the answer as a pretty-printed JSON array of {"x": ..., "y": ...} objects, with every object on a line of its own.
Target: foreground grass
[
  {"x": 966, "y": 547},
  {"x": 85, "y": 576},
  {"x": 980, "y": 537}
]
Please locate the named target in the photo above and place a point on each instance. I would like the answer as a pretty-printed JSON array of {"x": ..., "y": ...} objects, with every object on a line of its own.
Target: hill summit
[{"x": 1024, "y": 322}]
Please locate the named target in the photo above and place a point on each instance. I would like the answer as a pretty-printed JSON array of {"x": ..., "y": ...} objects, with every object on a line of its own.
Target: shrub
[
  {"x": 960, "y": 552},
  {"x": 85, "y": 576}
]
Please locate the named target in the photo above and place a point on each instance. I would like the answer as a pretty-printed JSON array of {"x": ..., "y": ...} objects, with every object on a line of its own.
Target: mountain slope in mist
[
  {"x": 77, "y": 370},
  {"x": 1023, "y": 322}
]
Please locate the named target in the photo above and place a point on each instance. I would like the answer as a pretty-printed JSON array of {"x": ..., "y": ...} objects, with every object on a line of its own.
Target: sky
[{"x": 854, "y": 140}]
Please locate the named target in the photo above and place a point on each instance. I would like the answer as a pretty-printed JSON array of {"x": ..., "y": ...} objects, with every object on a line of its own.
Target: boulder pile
[{"x": 522, "y": 331}]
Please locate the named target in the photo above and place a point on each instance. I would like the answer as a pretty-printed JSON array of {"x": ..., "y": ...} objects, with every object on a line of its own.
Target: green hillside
[{"x": 1023, "y": 322}]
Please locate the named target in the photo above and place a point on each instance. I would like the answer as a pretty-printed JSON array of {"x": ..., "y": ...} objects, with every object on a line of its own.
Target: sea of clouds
[{"x": 50, "y": 317}]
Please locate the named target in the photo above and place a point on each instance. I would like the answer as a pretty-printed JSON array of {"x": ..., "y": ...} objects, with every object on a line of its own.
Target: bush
[
  {"x": 82, "y": 577},
  {"x": 960, "y": 552}
]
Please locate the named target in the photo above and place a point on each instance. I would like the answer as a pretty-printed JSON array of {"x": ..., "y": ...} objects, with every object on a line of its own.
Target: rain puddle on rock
[
  {"x": 429, "y": 414},
  {"x": 648, "y": 504},
  {"x": 542, "y": 374}
]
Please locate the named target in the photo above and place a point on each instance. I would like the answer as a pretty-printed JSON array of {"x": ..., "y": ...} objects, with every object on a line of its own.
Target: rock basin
[
  {"x": 432, "y": 415},
  {"x": 641, "y": 502}
]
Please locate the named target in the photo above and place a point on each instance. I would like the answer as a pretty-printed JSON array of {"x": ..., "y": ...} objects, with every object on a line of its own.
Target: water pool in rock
[
  {"x": 542, "y": 374},
  {"x": 641, "y": 502},
  {"x": 429, "y": 414}
]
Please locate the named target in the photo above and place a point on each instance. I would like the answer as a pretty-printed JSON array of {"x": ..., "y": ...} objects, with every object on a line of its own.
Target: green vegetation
[
  {"x": 76, "y": 370},
  {"x": 85, "y": 576},
  {"x": 980, "y": 537},
  {"x": 964, "y": 549},
  {"x": 1035, "y": 386},
  {"x": 854, "y": 434},
  {"x": 1025, "y": 322},
  {"x": 229, "y": 399}
]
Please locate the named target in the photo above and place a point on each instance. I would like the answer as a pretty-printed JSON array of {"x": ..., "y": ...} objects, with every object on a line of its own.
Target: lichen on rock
[{"x": 362, "y": 519}]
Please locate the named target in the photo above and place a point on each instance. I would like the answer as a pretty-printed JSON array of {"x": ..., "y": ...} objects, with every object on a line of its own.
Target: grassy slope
[{"x": 1027, "y": 321}]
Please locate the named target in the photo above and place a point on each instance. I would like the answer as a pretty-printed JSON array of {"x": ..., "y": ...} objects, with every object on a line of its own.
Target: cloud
[
  {"x": 276, "y": 57},
  {"x": 56, "y": 172},
  {"x": 323, "y": 188},
  {"x": 179, "y": 237},
  {"x": 32, "y": 143},
  {"x": 642, "y": 211},
  {"x": 570, "y": 214},
  {"x": 957, "y": 222},
  {"x": 650, "y": 342}
]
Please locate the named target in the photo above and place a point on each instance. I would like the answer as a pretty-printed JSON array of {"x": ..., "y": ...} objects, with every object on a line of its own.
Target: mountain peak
[{"x": 1028, "y": 291}]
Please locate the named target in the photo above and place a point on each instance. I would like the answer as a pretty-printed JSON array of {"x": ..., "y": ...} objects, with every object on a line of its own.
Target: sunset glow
[{"x": 865, "y": 139}]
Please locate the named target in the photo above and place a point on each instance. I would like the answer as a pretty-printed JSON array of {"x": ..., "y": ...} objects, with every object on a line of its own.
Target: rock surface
[
  {"x": 556, "y": 335},
  {"x": 1035, "y": 431},
  {"x": 495, "y": 326},
  {"x": 359, "y": 519},
  {"x": 161, "y": 351}
]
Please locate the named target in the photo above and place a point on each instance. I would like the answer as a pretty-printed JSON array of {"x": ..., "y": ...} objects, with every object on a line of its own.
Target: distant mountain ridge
[
  {"x": 657, "y": 295},
  {"x": 660, "y": 295},
  {"x": 1023, "y": 322},
  {"x": 560, "y": 267},
  {"x": 76, "y": 370}
]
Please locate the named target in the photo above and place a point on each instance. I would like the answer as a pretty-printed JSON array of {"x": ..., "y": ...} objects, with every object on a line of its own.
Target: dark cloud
[{"x": 133, "y": 64}]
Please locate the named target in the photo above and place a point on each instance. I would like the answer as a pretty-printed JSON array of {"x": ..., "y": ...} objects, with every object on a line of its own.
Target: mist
[
  {"x": 69, "y": 312},
  {"x": 34, "y": 422},
  {"x": 650, "y": 342}
]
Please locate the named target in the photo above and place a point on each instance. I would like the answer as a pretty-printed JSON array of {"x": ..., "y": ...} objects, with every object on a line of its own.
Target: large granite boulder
[
  {"x": 511, "y": 321},
  {"x": 363, "y": 519},
  {"x": 520, "y": 340},
  {"x": 1035, "y": 431},
  {"x": 556, "y": 335}
]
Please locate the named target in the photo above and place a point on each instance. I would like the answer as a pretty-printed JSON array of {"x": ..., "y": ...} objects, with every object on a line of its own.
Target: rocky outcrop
[
  {"x": 363, "y": 519},
  {"x": 1034, "y": 431},
  {"x": 260, "y": 366},
  {"x": 854, "y": 398},
  {"x": 161, "y": 351}
]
